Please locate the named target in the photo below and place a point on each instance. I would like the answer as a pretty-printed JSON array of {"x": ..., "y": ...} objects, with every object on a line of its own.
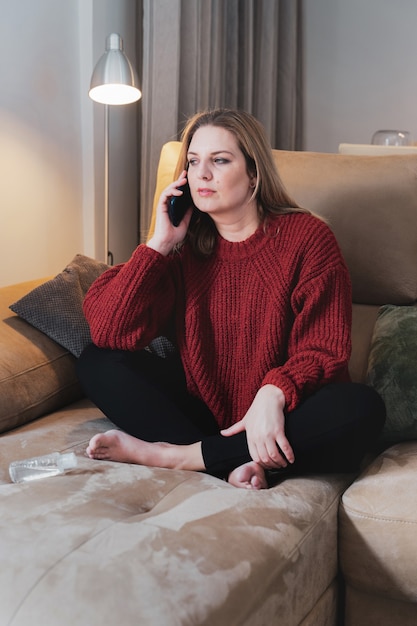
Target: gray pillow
[
  {"x": 55, "y": 307},
  {"x": 392, "y": 370},
  {"x": 162, "y": 347}
]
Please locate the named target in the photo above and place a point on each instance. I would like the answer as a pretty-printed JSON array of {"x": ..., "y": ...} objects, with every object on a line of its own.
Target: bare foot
[
  {"x": 248, "y": 476},
  {"x": 116, "y": 445}
]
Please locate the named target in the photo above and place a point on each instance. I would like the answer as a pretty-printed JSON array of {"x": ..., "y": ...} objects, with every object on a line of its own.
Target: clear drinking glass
[{"x": 391, "y": 138}]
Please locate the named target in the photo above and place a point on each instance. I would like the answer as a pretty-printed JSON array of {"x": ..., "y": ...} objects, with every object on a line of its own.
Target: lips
[{"x": 204, "y": 192}]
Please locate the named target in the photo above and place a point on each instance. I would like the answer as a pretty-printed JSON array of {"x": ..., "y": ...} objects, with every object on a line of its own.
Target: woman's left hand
[{"x": 265, "y": 429}]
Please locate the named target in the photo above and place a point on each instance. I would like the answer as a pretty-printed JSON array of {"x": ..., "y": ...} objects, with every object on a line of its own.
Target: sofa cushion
[
  {"x": 378, "y": 549},
  {"x": 36, "y": 374},
  {"x": 55, "y": 307},
  {"x": 191, "y": 549},
  {"x": 392, "y": 370},
  {"x": 118, "y": 543}
]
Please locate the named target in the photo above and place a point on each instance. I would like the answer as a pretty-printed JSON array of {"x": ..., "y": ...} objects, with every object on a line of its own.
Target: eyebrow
[{"x": 213, "y": 153}]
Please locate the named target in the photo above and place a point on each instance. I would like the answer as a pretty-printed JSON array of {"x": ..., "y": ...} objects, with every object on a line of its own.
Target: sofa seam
[
  {"x": 34, "y": 368},
  {"x": 389, "y": 520},
  {"x": 74, "y": 550},
  {"x": 335, "y": 502},
  {"x": 50, "y": 569},
  {"x": 41, "y": 401}
]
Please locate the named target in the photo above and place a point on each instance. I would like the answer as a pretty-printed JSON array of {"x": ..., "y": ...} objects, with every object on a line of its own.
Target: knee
[
  {"x": 361, "y": 406},
  {"x": 90, "y": 361},
  {"x": 371, "y": 407},
  {"x": 87, "y": 355},
  {"x": 105, "y": 364}
]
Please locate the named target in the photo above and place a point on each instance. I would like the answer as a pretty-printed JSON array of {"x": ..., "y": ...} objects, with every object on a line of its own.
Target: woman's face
[{"x": 217, "y": 174}]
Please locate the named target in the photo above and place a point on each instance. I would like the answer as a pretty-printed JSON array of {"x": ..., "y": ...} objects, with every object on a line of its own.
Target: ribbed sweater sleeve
[{"x": 130, "y": 304}]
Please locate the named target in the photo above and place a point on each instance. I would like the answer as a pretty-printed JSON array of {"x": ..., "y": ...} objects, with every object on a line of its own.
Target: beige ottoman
[{"x": 378, "y": 541}]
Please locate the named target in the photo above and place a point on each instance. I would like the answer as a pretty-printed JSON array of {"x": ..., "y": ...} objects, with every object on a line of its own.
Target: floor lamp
[{"x": 114, "y": 82}]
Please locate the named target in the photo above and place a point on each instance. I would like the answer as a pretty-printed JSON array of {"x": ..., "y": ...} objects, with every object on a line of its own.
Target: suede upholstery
[
  {"x": 36, "y": 374},
  {"x": 115, "y": 543},
  {"x": 378, "y": 548}
]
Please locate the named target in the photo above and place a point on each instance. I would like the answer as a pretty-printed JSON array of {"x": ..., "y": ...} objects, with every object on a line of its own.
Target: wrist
[
  {"x": 275, "y": 393},
  {"x": 162, "y": 247}
]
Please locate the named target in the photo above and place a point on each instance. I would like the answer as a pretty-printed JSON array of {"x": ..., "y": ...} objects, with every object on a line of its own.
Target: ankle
[{"x": 184, "y": 457}]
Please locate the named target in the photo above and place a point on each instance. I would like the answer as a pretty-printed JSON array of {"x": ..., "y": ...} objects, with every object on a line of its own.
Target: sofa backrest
[{"x": 370, "y": 203}]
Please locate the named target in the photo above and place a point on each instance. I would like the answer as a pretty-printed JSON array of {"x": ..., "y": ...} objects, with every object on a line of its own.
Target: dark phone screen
[{"x": 179, "y": 205}]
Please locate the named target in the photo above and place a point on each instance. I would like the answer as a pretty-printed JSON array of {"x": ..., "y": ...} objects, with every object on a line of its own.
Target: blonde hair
[{"x": 269, "y": 192}]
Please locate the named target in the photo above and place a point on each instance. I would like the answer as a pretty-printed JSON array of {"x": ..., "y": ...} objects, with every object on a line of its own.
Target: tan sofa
[{"x": 112, "y": 543}]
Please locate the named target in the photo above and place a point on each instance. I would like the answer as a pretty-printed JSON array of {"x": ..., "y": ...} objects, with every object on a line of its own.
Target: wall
[
  {"x": 40, "y": 143},
  {"x": 51, "y": 137},
  {"x": 360, "y": 76}
]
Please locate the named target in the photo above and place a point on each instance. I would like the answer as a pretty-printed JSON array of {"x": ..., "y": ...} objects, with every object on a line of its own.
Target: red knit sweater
[{"x": 275, "y": 308}]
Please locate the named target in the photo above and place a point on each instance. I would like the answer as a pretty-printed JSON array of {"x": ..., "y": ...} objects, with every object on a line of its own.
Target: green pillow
[{"x": 392, "y": 370}]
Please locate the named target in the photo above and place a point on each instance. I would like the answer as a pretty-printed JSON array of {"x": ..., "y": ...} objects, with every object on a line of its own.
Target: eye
[
  {"x": 220, "y": 160},
  {"x": 192, "y": 162}
]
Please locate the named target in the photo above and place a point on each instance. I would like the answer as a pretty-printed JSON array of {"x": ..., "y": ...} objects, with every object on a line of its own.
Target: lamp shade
[{"x": 114, "y": 80}]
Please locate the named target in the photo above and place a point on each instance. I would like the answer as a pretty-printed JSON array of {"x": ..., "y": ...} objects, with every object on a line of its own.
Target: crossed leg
[
  {"x": 116, "y": 445},
  {"x": 329, "y": 432}
]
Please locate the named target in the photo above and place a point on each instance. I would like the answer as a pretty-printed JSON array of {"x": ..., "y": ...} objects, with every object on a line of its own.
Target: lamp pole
[
  {"x": 108, "y": 256},
  {"x": 114, "y": 81}
]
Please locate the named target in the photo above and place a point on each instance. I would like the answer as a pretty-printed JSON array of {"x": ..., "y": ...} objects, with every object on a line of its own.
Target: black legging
[{"x": 146, "y": 396}]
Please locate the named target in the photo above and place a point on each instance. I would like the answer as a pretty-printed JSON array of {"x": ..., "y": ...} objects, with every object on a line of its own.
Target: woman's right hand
[{"x": 166, "y": 236}]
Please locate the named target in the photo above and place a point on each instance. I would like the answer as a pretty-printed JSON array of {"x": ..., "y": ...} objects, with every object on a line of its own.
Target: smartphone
[{"x": 179, "y": 205}]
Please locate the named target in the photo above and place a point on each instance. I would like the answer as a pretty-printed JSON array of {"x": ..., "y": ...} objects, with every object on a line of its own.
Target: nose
[{"x": 204, "y": 172}]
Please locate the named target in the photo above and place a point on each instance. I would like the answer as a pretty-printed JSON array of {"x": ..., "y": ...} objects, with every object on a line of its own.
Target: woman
[{"x": 255, "y": 294}]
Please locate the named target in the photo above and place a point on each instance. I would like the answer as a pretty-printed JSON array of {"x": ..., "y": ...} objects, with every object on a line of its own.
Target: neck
[{"x": 238, "y": 227}]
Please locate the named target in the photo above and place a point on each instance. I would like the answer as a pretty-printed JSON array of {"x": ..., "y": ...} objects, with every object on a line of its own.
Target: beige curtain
[{"x": 200, "y": 54}]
